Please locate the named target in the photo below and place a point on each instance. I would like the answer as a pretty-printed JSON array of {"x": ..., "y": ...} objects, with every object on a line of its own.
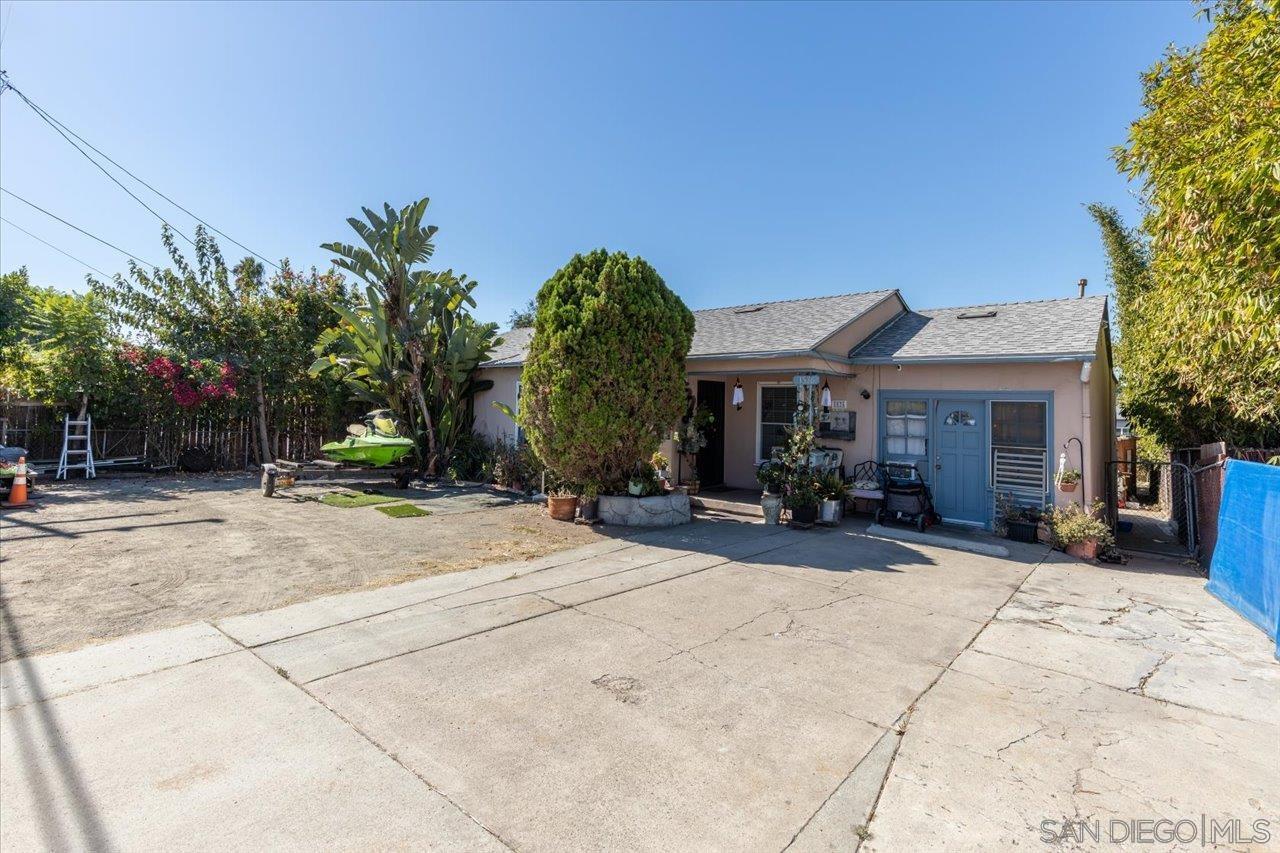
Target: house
[{"x": 983, "y": 399}]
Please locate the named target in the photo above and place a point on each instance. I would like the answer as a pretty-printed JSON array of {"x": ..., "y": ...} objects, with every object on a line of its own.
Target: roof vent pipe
[{"x": 1084, "y": 282}]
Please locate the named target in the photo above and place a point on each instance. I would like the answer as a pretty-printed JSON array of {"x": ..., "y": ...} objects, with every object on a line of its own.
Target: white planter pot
[
  {"x": 771, "y": 505},
  {"x": 832, "y": 511}
]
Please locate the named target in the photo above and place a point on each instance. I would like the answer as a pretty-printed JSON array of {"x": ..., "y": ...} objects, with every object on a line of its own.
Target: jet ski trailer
[{"x": 282, "y": 473}]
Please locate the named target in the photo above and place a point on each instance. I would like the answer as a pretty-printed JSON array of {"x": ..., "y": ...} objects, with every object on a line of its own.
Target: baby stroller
[{"x": 906, "y": 497}]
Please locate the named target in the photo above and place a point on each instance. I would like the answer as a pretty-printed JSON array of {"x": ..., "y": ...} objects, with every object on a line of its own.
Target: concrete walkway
[{"x": 719, "y": 686}]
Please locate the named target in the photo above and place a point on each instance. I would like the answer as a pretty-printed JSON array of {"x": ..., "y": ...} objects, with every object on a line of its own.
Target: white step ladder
[{"x": 77, "y": 445}]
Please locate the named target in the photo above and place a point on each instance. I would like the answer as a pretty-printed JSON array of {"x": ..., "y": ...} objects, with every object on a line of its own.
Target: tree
[
  {"x": 604, "y": 378},
  {"x": 1206, "y": 318},
  {"x": 411, "y": 344},
  {"x": 523, "y": 317},
  {"x": 208, "y": 313},
  {"x": 15, "y": 300},
  {"x": 1153, "y": 396},
  {"x": 63, "y": 350}
]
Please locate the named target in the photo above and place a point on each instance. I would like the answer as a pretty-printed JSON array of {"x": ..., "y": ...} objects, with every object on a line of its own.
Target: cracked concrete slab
[
  {"x": 841, "y": 822},
  {"x": 719, "y": 686},
  {"x": 592, "y": 736},
  {"x": 268, "y": 626},
  {"x": 218, "y": 753},
  {"x": 1096, "y": 693},
  {"x": 322, "y": 653},
  {"x": 46, "y": 677},
  {"x": 1047, "y": 746}
]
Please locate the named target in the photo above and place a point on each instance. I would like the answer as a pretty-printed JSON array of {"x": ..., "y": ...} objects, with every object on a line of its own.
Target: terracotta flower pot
[
  {"x": 1086, "y": 550},
  {"x": 563, "y": 507},
  {"x": 1067, "y": 487}
]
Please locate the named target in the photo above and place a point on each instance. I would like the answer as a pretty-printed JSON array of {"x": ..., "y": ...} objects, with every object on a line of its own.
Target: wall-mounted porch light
[
  {"x": 826, "y": 398},
  {"x": 738, "y": 395}
]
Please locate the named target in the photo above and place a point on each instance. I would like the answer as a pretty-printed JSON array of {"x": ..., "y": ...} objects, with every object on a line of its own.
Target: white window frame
[{"x": 760, "y": 412}]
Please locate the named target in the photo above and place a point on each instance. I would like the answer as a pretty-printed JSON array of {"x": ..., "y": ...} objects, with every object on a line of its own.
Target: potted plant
[
  {"x": 644, "y": 482},
  {"x": 802, "y": 496},
  {"x": 589, "y": 502},
  {"x": 1068, "y": 479},
  {"x": 562, "y": 504},
  {"x": 1016, "y": 522},
  {"x": 1081, "y": 534},
  {"x": 833, "y": 490},
  {"x": 662, "y": 465},
  {"x": 692, "y": 437},
  {"x": 772, "y": 476}
]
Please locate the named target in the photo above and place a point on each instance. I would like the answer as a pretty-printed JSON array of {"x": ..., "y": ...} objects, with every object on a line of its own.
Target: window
[
  {"x": 1018, "y": 424},
  {"x": 777, "y": 407},
  {"x": 961, "y": 417},
  {"x": 1019, "y": 450},
  {"x": 906, "y": 427},
  {"x": 520, "y": 438}
]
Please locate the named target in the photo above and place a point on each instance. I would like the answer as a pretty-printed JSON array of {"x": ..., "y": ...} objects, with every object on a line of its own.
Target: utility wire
[
  {"x": 60, "y": 127},
  {"x": 48, "y": 120},
  {"x": 55, "y": 248},
  {"x": 76, "y": 227}
]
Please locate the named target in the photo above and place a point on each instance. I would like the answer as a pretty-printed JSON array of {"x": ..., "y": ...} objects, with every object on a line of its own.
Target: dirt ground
[{"x": 110, "y": 557}]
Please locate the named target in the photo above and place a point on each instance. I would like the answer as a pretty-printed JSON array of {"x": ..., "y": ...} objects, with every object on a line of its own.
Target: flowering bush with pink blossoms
[{"x": 189, "y": 382}]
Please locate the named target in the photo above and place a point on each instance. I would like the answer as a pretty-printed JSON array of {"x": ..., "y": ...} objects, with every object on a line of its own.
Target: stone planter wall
[{"x": 658, "y": 511}]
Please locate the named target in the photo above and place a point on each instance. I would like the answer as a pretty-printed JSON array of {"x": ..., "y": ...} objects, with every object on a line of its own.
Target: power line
[
  {"x": 55, "y": 248},
  {"x": 76, "y": 227},
  {"x": 114, "y": 179},
  {"x": 60, "y": 127}
]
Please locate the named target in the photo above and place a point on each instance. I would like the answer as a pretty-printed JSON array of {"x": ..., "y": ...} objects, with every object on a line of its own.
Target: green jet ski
[{"x": 376, "y": 443}]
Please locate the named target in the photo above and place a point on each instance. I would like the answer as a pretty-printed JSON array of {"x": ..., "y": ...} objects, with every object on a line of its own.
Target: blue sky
[{"x": 750, "y": 152}]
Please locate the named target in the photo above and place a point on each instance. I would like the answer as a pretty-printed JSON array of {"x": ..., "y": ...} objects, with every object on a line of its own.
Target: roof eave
[
  {"x": 788, "y": 353},
  {"x": 976, "y": 359}
]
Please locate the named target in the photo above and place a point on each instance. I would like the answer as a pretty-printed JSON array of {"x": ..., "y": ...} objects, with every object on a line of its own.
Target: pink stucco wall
[{"x": 1081, "y": 410}]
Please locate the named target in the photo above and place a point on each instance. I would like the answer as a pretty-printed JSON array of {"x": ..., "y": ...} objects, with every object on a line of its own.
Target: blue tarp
[{"x": 1245, "y": 573}]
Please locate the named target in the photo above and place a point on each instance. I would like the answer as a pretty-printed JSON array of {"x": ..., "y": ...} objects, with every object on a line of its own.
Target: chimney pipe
[{"x": 1084, "y": 282}]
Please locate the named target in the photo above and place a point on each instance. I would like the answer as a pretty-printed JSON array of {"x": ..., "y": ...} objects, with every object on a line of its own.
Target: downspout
[{"x": 1086, "y": 430}]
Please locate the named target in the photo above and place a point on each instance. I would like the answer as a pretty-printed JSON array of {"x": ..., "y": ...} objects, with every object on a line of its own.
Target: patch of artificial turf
[
  {"x": 403, "y": 511},
  {"x": 350, "y": 500}
]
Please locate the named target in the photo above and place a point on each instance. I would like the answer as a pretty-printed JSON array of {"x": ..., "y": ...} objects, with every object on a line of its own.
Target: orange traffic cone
[{"x": 18, "y": 492}]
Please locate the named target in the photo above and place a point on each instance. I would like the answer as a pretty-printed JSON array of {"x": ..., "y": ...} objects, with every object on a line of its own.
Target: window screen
[
  {"x": 907, "y": 425},
  {"x": 1018, "y": 424},
  {"x": 1019, "y": 452},
  {"x": 777, "y": 406}
]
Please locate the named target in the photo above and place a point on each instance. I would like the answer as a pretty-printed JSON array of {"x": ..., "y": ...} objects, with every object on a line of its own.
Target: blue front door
[{"x": 959, "y": 477}]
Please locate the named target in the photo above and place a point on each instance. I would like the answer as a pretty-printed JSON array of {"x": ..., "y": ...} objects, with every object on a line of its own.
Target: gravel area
[{"x": 110, "y": 557}]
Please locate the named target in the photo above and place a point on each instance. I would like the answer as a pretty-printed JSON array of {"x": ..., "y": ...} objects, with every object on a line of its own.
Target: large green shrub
[{"x": 604, "y": 379}]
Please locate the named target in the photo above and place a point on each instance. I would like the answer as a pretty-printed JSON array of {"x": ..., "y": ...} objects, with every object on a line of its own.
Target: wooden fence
[{"x": 230, "y": 443}]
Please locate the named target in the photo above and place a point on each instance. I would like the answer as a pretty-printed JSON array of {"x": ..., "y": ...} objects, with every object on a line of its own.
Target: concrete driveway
[{"x": 719, "y": 686}]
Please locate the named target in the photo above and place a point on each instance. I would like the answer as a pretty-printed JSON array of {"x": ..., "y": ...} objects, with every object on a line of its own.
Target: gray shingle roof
[
  {"x": 1019, "y": 330},
  {"x": 794, "y": 325},
  {"x": 512, "y": 349}
]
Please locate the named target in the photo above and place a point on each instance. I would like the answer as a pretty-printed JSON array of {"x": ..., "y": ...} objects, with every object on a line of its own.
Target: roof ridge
[
  {"x": 1090, "y": 298},
  {"x": 796, "y": 299}
]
